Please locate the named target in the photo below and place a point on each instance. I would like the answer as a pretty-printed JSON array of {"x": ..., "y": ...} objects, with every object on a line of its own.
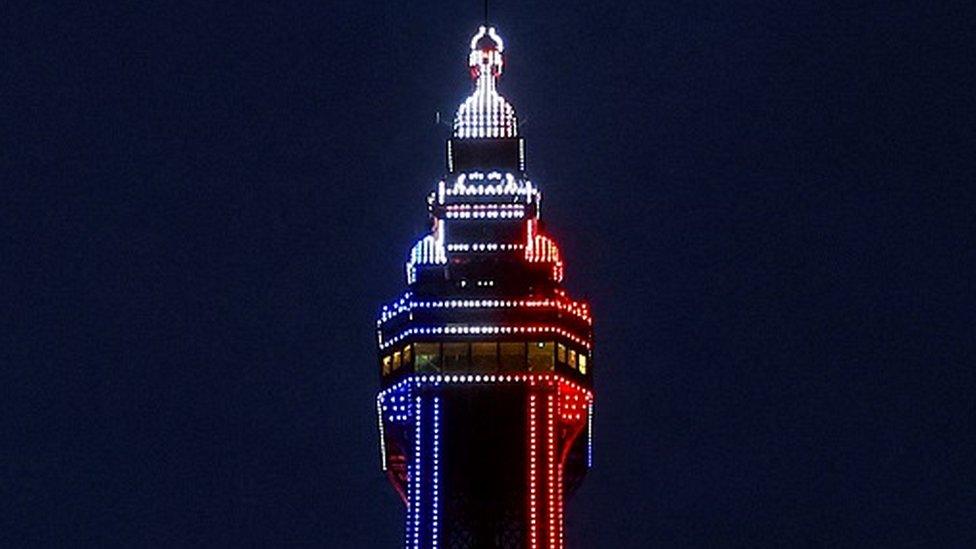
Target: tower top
[{"x": 485, "y": 114}]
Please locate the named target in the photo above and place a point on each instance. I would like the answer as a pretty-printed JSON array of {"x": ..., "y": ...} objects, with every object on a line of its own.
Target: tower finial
[
  {"x": 486, "y": 13},
  {"x": 485, "y": 58},
  {"x": 485, "y": 113}
]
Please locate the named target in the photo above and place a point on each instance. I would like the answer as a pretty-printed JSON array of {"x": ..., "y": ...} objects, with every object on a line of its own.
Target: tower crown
[{"x": 485, "y": 113}]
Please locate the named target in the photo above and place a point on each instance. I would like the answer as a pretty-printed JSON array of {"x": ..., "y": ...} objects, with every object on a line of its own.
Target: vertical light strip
[
  {"x": 533, "y": 451},
  {"x": 417, "y": 464},
  {"x": 411, "y": 475},
  {"x": 411, "y": 508},
  {"x": 559, "y": 499},
  {"x": 379, "y": 417},
  {"x": 551, "y": 468},
  {"x": 450, "y": 161},
  {"x": 435, "y": 477},
  {"x": 559, "y": 480},
  {"x": 589, "y": 436}
]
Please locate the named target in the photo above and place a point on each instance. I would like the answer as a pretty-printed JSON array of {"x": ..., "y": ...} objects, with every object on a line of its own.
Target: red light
[{"x": 541, "y": 249}]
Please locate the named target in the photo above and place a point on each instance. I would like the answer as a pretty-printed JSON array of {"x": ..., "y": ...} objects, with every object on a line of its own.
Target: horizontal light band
[
  {"x": 485, "y": 330},
  {"x": 484, "y": 247},
  {"x": 446, "y": 379},
  {"x": 575, "y": 308},
  {"x": 485, "y": 214}
]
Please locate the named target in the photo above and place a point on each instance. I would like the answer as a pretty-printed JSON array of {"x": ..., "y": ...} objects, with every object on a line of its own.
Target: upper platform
[{"x": 485, "y": 283}]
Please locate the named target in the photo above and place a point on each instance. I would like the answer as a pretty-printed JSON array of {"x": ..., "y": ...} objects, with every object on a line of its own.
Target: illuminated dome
[{"x": 485, "y": 114}]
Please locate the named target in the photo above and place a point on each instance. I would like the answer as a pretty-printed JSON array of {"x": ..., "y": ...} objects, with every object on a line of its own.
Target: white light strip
[
  {"x": 491, "y": 214},
  {"x": 484, "y": 247},
  {"x": 450, "y": 156},
  {"x": 485, "y": 207},
  {"x": 379, "y": 418},
  {"x": 424, "y": 379}
]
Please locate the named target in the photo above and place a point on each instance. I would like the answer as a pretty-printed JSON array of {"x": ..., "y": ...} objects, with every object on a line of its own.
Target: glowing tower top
[
  {"x": 486, "y": 363},
  {"x": 485, "y": 113}
]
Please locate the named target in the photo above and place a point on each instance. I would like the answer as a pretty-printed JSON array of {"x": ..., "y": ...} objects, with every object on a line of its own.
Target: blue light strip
[
  {"x": 409, "y": 522},
  {"x": 417, "y": 464},
  {"x": 435, "y": 493}
]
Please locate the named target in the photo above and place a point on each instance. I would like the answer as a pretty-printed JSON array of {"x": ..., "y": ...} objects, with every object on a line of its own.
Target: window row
[{"x": 485, "y": 357}]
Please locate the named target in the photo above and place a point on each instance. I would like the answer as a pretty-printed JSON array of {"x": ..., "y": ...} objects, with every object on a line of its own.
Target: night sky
[{"x": 765, "y": 203}]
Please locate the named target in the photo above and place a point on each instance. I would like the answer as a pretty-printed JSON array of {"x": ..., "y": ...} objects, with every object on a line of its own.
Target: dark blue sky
[{"x": 765, "y": 203}]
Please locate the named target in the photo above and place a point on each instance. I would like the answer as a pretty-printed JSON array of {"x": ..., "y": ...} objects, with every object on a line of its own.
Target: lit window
[
  {"x": 428, "y": 357},
  {"x": 511, "y": 356},
  {"x": 561, "y": 353},
  {"x": 386, "y": 364},
  {"x": 572, "y": 359},
  {"x": 582, "y": 363},
  {"x": 484, "y": 357},
  {"x": 541, "y": 356},
  {"x": 455, "y": 357},
  {"x": 407, "y": 356}
]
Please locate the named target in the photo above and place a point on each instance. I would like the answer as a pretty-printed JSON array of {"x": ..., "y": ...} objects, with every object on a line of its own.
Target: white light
[
  {"x": 379, "y": 414},
  {"x": 485, "y": 113},
  {"x": 429, "y": 250}
]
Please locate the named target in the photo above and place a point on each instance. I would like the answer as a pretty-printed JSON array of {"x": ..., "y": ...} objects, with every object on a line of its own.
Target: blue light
[{"x": 435, "y": 493}]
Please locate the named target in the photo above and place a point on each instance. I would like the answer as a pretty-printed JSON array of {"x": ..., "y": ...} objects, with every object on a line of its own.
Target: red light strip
[
  {"x": 559, "y": 503},
  {"x": 541, "y": 249},
  {"x": 533, "y": 497},
  {"x": 551, "y": 470}
]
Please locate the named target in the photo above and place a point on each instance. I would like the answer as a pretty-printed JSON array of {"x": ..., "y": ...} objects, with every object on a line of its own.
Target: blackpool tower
[{"x": 486, "y": 364}]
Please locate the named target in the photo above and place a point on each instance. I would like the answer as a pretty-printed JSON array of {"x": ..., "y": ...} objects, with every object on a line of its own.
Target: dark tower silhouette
[{"x": 485, "y": 414}]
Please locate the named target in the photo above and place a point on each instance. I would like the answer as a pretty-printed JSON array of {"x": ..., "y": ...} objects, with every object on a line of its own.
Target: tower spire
[{"x": 485, "y": 113}]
